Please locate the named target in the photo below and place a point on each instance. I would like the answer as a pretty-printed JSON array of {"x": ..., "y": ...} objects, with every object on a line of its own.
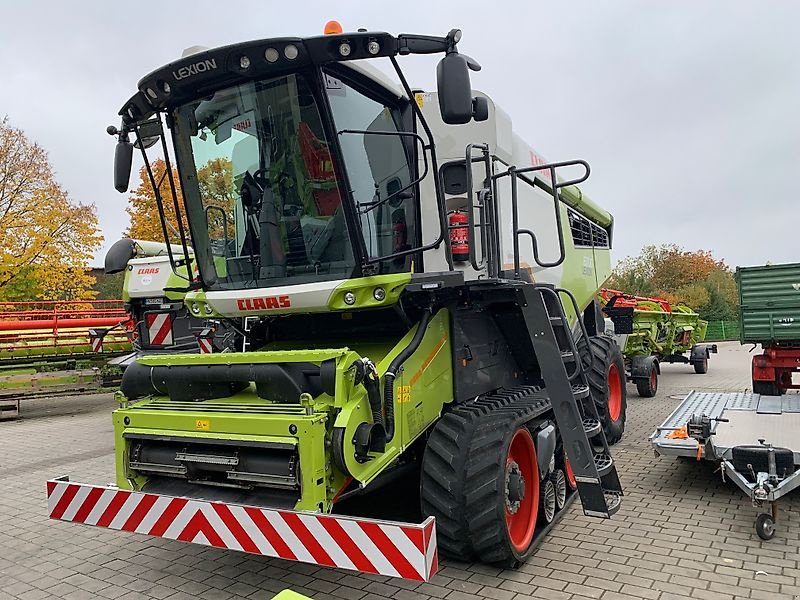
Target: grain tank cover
[{"x": 769, "y": 298}]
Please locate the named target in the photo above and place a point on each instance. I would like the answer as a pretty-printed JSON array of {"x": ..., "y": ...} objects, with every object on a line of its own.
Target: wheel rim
[
  {"x": 521, "y": 501},
  {"x": 571, "y": 481},
  {"x": 560, "y": 484},
  {"x": 549, "y": 502},
  {"x": 614, "y": 393},
  {"x": 653, "y": 380}
]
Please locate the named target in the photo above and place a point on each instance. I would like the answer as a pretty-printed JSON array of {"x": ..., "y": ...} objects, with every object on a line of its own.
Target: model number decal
[{"x": 267, "y": 303}]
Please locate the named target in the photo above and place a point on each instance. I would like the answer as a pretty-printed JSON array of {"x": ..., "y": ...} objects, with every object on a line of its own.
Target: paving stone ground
[{"x": 682, "y": 533}]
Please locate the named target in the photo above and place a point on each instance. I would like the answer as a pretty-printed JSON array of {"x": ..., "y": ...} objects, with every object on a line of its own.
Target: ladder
[{"x": 582, "y": 435}]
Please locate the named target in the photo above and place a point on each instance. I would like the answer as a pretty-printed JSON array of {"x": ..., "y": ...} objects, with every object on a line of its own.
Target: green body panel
[
  {"x": 769, "y": 304},
  {"x": 574, "y": 197},
  {"x": 661, "y": 333},
  {"x": 364, "y": 288},
  {"x": 583, "y": 271},
  {"x": 421, "y": 388}
]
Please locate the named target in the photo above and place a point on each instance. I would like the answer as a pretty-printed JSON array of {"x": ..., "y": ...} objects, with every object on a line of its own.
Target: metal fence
[{"x": 720, "y": 331}]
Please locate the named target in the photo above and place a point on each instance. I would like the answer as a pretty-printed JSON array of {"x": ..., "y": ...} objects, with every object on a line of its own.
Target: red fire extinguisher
[{"x": 459, "y": 235}]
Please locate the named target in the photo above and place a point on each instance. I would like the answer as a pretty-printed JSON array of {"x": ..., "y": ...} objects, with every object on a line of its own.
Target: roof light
[
  {"x": 373, "y": 47},
  {"x": 152, "y": 93},
  {"x": 345, "y": 49},
  {"x": 244, "y": 62},
  {"x": 290, "y": 52},
  {"x": 271, "y": 55},
  {"x": 332, "y": 28}
]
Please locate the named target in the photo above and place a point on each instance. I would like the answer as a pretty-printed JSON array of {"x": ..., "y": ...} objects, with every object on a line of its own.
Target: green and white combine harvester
[
  {"x": 419, "y": 291},
  {"x": 153, "y": 294},
  {"x": 652, "y": 331}
]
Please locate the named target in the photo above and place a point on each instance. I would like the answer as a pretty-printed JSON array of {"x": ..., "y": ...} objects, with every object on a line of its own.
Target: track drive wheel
[
  {"x": 648, "y": 386},
  {"x": 607, "y": 384},
  {"x": 485, "y": 508}
]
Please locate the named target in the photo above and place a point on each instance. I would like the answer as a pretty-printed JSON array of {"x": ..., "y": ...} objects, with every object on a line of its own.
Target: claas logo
[
  {"x": 147, "y": 271},
  {"x": 268, "y": 303}
]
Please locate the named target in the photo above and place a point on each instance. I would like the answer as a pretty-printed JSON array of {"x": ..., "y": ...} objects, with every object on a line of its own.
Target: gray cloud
[{"x": 687, "y": 111}]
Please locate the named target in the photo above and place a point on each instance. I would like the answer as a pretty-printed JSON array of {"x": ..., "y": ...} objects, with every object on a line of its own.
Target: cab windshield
[{"x": 263, "y": 200}]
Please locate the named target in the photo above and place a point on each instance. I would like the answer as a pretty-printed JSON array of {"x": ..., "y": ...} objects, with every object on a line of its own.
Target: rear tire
[
  {"x": 648, "y": 386},
  {"x": 766, "y": 388},
  {"x": 701, "y": 366},
  {"x": 607, "y": 385}
]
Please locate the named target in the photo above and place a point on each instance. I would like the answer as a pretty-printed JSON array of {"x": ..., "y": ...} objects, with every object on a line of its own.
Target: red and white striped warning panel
[
  {"x": 96, "y": 339},
  {"x": 205, "y": 339},
  {"x": 159, "y": 328},
  {"x": 366, "y": 545},
  {"x": 205, "y": 345}
]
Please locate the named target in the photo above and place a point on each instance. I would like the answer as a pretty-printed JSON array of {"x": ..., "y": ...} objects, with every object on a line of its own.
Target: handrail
[{"x": 514, "y": 174}]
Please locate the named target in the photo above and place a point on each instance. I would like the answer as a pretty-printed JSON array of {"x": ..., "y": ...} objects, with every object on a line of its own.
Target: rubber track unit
[
  {"x": 459, "y": 481},
  {"x": 606, "y": 351}
]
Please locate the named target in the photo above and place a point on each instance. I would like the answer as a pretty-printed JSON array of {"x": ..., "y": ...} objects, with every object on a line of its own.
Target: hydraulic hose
[{"x": 391, "y": 372}]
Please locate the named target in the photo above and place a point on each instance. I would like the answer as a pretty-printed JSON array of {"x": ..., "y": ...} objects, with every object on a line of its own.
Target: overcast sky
[{"x": 688, "y": 111}]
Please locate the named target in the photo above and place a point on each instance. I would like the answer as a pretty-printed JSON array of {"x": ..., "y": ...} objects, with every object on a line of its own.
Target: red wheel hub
[
  {"x": 521, "y": 489},
  {"x": 614, "y": 392},
  {"x": 653, "y": 379}
]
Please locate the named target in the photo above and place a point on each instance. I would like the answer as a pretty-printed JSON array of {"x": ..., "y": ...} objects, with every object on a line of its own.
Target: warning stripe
[
  {"x": 393, "y": 549},
  {"x": 159, "y": 328}
]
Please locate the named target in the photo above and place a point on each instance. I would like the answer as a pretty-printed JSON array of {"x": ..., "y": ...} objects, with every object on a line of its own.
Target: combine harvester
[
  {"x": 652, "y": 331},
  {"x": 153, "y": 295},
  {"x": 753, "y": 437},
  {"x": 402, "y": 258}
]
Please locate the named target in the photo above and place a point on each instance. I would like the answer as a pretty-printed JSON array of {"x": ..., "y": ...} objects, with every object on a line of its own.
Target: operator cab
[{"x": 295, "y": 168}]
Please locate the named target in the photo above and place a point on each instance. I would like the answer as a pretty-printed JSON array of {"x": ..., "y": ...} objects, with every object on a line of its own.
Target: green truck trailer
[
  {"x": 651, "y": 331},
  {"x": 769, "y": 314}
]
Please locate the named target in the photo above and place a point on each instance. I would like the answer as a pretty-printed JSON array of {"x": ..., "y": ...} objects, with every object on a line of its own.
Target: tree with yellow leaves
[
  {"x": 46, "y": 238},
  {"x": 215, "y": 180}
]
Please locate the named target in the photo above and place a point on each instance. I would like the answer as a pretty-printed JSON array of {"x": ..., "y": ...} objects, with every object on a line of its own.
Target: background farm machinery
[{"x": 652, "y": 331}]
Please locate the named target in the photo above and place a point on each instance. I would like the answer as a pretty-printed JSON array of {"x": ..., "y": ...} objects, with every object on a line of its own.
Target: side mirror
[
  {"x": 118, "y": 256},
  {"x": 123, "y": 158},
  {"x": 480, "y": 108},
  {"x": 455, "y": 91}
]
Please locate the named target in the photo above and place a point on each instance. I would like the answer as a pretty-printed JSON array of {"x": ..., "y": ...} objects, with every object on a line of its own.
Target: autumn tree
[
  {"x": 215, "y": 181},
  {"x": 694, "y": 278},
  {"x": 46, "y": 238}
]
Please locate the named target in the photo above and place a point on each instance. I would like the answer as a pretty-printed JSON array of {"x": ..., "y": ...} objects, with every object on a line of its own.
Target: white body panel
[{"x": 148, "y": 276}]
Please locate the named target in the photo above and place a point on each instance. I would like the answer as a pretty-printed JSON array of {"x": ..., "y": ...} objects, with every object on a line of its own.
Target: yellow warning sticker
[
  {"x": 405, "y": 393},
  {"x": 202, "y": 424},
  {"x": 420, "y": 98}
]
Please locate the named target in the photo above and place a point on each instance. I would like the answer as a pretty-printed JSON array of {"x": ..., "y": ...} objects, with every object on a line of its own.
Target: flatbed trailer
[{"x": 753, "y": 438}]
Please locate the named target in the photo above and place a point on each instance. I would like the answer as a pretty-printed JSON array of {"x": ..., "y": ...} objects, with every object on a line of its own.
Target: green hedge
[{"x": 720, "y": 331}]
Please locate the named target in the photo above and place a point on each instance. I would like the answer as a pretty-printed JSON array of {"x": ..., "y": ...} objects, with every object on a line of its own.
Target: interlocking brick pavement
[{"x": 681, "y": 533}]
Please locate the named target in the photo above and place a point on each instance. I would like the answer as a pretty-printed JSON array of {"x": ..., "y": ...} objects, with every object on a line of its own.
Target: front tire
[
  {"x": 485, "y": 508},
  {"x": 607, "y": 384}
]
